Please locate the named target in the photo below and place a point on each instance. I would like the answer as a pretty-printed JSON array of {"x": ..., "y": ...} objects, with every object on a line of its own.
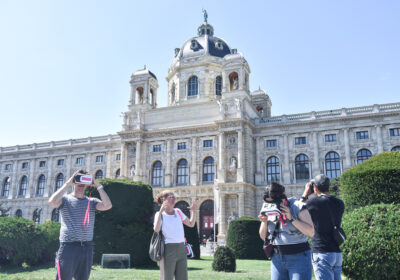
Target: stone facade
[{"x": 214, "y": 133}]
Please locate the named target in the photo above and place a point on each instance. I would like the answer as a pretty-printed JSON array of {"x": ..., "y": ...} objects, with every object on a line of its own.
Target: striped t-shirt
[{"x": 72, "y": 212}]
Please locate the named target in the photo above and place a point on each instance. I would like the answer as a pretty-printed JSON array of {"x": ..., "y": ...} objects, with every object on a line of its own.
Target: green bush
[
  {"x": 224, "y": 260},
  {"x": 376, "y": 180},
  {"x": 372, "y": 248},
  {"x": 51, "y": 232},
  {"x": 126, "y": 228},
  {"x": 21, "y": 240},
  {"x": 244, "y": 239}
]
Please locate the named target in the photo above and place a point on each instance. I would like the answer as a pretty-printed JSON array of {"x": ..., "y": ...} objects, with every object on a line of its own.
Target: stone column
[
  {"x": 347, "y": 162},
  {"x": 222, "y": 218},
  {"x": 89, "y": 163},
  {"x": 138, "y": 160},
  {"x": 69, "y": 167},
  {"x": 286, "y": 169},
  {"x": 30, "y": 190},
  {"x": 241, "y": 205},
  {"x": 258, "y": 152},
  {"x": 225, "y": 82},
  {"x": 133, "y": 93},
  {"x": 109, "y": 173},
  {"x": 168, "y": 175},
  {"x": 316, "y": 169},
  {"x": 49, "y": 182},
  {"x": 241, "y": 79},
  {"x": 240, "y": 171},
  {"x": 193, "y": 170},
  {"x": 221, "y": 157},
  {"x": 123, "y": 162},
  {"x": 14, "y": 182},
  {"x": 379, "y": 138}
]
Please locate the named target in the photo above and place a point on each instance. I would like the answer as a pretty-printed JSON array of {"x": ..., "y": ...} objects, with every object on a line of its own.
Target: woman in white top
[{"x": 170, "y": 221}]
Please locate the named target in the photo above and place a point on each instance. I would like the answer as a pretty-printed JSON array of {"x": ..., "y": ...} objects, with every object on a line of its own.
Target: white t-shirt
[{"x": 172, "y": 227}]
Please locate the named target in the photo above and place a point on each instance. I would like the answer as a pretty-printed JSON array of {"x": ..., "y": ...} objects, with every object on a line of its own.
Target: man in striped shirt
[{"x": 75, "y": 255}]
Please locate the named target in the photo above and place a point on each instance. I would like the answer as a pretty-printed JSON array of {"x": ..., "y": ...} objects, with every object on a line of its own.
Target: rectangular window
[
  {"x": 395, "y": 132},
  {"x": 79, "y": 160},
  {"x": 207, "y": 143},
  {"x": 330, "y": 137},
  {"x": 60, "y": 162},
  {"x": 42, "y": 163},
  {"x": 118, "y": 157},
  {"x": 300, "y": 140},
  {"x": 156, "y": 148},
  {"x": 182, "y": 146},
  {"x": 99, "y": 158},
  {"x": 271, "y": 143},
  {"x": 8, "y": 167},
  {"x": 25, "y": 165},
  {"x": 362, "y": 135}
]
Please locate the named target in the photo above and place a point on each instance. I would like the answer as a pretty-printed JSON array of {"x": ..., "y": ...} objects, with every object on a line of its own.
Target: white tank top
[{"x": 172, "y": 227}]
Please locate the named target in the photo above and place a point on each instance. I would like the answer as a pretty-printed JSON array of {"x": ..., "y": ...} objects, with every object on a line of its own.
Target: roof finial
[
  {"x": 144, "y": 67},
  {"x": 205, "y": 15}
]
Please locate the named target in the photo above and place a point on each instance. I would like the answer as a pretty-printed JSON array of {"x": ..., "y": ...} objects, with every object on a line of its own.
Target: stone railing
[
  {"x": 60, "y": 144},
  {"x": 333, "y": 113}
]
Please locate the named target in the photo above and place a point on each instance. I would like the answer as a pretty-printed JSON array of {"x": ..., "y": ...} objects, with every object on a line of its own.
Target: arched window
[
  {"x": 55, "y": 215},
  {"x": 233, "y": 81},
  {"x": 6, "y": 187},
  {"x": 302, "y": 167},
  {"x": 332, "y": 165},
  {"x": 36, "y": 215},
  {"x": 397, "y": 148},
  {"x": 273, "y": 170},
  {"x": 156, "y": 177},
  {"x": 59, "y": 181},
  {"x": 18, "y": 213},
  {"x": 182, "y": 174},
  {"x": 41, "y": 185},
  {"x": 98, "y": 175},
  {"x": 363, "y": 154},
  {"x": 218, "y": 85},
  {"x": 183, "y": 205},
  {"x": 118, "y": 173},
  {"x": 193, "y": 86},
  {"x": 23, "y": 185},
  {"x": 208, "y": 169},
  {"x": 139, "y": 93}
]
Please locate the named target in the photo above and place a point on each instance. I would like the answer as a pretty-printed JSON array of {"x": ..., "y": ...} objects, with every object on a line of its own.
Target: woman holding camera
[
  {"x": 170, "y": 221},
  {"x": 291, "y": 258}
]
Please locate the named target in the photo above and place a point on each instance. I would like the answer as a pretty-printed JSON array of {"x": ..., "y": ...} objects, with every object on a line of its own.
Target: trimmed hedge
[
  {"x": 51, "y": 232},
  {"x": 127, "y": 227},
  {"x": 224, "y": 260},
  {"x": 372, "y": 248},
  {"x": 376, "y": 180},
  {"x": 243, "y": 238},
  {"x": 21, "y": 240}
]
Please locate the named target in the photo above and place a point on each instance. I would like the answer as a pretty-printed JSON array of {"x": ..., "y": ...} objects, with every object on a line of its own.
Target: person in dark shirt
[{"x": 326, "y": 254}]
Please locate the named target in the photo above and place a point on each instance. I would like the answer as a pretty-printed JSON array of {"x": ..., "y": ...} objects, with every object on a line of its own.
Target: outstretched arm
[
  {"x": 192, "y": 221},
  {"x": 56, "y": 199},
  {"x": 105, "y": 203}
]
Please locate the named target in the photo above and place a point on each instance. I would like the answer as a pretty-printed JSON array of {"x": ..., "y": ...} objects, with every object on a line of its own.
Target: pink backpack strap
[{"x": 179, "y": 212}]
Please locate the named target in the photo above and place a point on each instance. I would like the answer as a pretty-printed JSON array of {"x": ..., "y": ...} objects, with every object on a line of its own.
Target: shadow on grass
[{"x": 24, "y": 268}]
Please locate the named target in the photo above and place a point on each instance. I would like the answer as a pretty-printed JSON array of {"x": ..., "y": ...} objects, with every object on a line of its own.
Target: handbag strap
[{"x": 275, "y": 232}]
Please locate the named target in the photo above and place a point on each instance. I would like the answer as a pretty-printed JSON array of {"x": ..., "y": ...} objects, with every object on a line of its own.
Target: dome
[
  {"x": 144, "y": 71},
  {"x": 204, "y": 44}
]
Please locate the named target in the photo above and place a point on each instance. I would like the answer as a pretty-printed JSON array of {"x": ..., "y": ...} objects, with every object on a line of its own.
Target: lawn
[{"x": 198, "y": 269}]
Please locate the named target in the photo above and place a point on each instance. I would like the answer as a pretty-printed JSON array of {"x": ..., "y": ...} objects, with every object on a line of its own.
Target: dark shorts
[{"x": 75, "y": 260}]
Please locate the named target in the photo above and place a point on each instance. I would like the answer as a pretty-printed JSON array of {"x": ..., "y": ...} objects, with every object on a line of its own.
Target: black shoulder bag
[
  {"x": 156, "y": 250},
  {"x": 338, "y": 233},
  {"x": 268, "y": 247}
]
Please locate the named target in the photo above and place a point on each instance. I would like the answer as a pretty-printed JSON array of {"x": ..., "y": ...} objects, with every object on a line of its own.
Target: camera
[
  {"x": 83, "y": 179},
  {"x": 312, "y": 185},
  {"x": 271, "y": 209}
]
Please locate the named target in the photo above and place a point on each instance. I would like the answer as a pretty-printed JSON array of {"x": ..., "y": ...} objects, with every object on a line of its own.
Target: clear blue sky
[{"x": 65, "y": 65}]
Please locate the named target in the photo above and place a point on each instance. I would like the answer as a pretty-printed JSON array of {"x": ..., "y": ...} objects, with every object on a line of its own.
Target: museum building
[{"x": 215, "y": 133}]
